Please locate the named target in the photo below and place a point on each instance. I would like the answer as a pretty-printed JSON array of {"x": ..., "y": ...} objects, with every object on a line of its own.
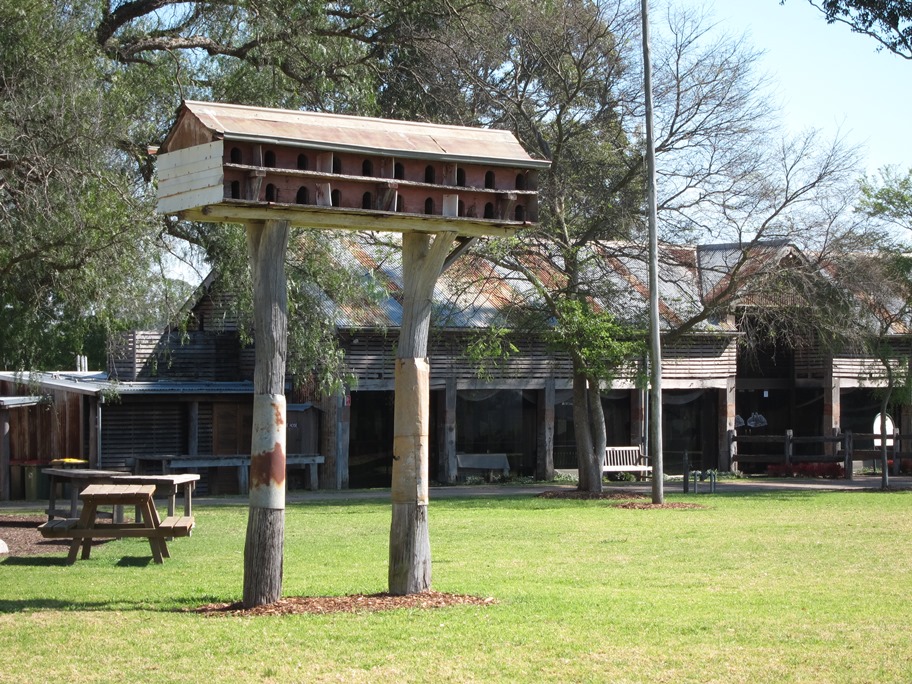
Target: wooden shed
[{"x": 224, "y": 162}]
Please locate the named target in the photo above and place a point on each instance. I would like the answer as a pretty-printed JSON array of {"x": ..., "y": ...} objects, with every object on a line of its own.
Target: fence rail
[{"x": 845, "y": 451}]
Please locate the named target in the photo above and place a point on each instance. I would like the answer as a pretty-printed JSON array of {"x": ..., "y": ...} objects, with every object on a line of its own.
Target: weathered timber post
[
  {"x": 264, "y": 546},
  {"x": 410, "y": 547}
]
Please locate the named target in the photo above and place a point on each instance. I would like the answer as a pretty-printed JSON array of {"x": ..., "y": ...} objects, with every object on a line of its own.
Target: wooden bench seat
[
  {"x": 177, "y": 525},
  {"x": 625, "y": 459},
  {"x": 58, "y": 529}
]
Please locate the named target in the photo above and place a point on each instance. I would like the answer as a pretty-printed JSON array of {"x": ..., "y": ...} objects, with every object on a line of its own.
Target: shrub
[{"x": 823, "y": 470}]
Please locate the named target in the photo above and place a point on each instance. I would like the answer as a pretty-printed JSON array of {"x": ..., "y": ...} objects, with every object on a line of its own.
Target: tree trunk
[
  {"x": 410, "y": 547},
  {"x": 587, "y": 417},
  {"x": 264, "y": 545}
]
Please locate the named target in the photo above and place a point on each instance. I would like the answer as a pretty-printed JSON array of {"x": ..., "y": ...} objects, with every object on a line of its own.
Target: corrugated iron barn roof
[{"x": 366, "y": 135}]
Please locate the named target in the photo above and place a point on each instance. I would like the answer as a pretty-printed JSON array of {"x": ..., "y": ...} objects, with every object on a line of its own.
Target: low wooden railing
[{"x": 845, "y": 451}]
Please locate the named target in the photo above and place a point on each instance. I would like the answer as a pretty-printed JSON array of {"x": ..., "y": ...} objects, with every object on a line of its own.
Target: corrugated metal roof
[
  {"x": 474, "y": 291},
  {"x": 361, "y": 134},
  {"x": 98, "y": 383}
]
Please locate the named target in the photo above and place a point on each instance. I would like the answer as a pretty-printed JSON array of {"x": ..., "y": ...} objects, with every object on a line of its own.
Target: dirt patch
[
  {"x": 577, "y": 494},
  {"x": 356, "y": 603}
]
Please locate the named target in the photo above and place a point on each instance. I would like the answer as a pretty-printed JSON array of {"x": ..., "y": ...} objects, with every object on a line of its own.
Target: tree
[
  {"x": 74, "y": 227},
  {"x": 888, "y": 196},
  {"x": 889, "y": 22},
  {"x": 563, "y": 76}
]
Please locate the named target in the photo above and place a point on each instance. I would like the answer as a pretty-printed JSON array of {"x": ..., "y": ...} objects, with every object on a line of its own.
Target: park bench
[
  {"x": 626, "y": 459},
  {"x": 486, "y": 463}
]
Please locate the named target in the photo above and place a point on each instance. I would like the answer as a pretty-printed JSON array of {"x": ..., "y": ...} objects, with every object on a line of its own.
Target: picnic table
[
  {"x": 87, "y": 527},
  {"x": 167, "y": 485}
]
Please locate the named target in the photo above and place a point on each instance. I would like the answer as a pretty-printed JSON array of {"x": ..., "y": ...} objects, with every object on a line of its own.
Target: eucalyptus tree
[{"x": 889, "y": 22}]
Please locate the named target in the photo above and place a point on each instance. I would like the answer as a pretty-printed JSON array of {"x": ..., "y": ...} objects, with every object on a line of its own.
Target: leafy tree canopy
[{"x": 889, "y": 22}]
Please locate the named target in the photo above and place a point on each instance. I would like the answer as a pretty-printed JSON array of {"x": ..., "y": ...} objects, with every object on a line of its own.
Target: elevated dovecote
[{"x": 225, "y": 162}]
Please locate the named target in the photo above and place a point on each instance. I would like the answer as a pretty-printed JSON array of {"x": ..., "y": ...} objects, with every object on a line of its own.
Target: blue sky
[{"x": 827, "y": 77}]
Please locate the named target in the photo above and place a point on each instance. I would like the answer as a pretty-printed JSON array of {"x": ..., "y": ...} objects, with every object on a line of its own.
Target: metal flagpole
[{"x": 655, "y": 343}]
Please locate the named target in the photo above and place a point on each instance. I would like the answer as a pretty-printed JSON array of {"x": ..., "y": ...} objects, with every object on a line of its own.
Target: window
[
  {"x": 236, "y": 157},
  {"x": 460, "y": 211},
  {"x": 429, "y": 205},
  {"x": 336, "y": 198},
  {"x": 367, "y": 168},
  {"x": 367, "y": 202},
  {"x": 430, "y": 175},
  {"x": 399, "y": 205},
  {"x": 520, "y": 213},
  {"x": 269, "y": 159},
  {"x": 489, "y": 210},
  {"x": 398, "y": 171},
  {"x": 303, "y": 196},
  {"x": 271, "y": 193},
  {"x": 489, "y": 180},
  {"x": 337, "y": 164},
  {"x": 235, "y": 189},
  {"x": 460, "y": 178},
  {"x": 303, "y": 162},
  {"x": 520, "y": 181}
]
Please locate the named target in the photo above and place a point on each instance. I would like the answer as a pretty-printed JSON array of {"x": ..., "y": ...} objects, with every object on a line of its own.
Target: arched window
[
  {"x": 489, "y": 210},
  {"x": 236, "y": 157},
  {"x": 520, "y": 181},
  {"x": 489, "y": 180},
  {"x": 271, "y": 193},
  {"x": 337, "y": 164},
  {"x": 430, "y": 175},
  {"x": 235, "y": 189},
  {"x": 520, "y": 212},
  {"x": 460, "y": 177},
  {"x": 303, "y": 162},
  {"x": 367, "y": 201},
  {"x": 303, "y": 196},
  {"x": 398, "y": 171},
  {"x": 336, "y": 198},
  {"x": 367, "y": 168},
  {"x": 460, "y": 209},
  {"x": 429, "y": 205},
  {"x": 399, "y": 205},
  {"x": 269, "y": 159}
]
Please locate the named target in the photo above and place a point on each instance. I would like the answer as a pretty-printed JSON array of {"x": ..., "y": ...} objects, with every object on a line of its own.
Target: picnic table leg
[
  {"x": 74, "y": 498},
  {"x": 156, "y": 543},
  {"x": 86, "y": 520},
  {"x": 52, "y": 498},
  {"x": 188, "y": 498}
]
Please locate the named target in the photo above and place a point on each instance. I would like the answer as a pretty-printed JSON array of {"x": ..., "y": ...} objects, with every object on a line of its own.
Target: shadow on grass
[
  {"x": 134, "y": 561},
  {"x": 35, "y": 561},
  {"x": 39, "y": 604}
]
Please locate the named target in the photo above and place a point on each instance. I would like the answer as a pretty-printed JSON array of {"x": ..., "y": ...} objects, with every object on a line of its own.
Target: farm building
[{"x": 189, "y": 394}]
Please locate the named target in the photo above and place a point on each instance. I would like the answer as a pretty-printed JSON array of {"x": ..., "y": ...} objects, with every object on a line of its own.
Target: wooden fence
[{"x": 781, "y": 449}]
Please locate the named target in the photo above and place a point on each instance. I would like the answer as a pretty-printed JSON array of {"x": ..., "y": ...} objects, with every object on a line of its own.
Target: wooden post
[
  {"x": 410, "y": 548},
  {"x": 544, "y": 461},
  {"x": 264, "y": 547},
  {"x": 849, "y": 454},
  {"x": 448, "y": 461},
  {"x": 4, "y": 454}
]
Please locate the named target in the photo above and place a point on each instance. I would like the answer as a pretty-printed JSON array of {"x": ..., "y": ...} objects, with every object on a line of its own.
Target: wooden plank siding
[
  {"x": 57, "y": 428},
  {"x": 198, "y": 355},
  {"x": 370, "y": 355}
]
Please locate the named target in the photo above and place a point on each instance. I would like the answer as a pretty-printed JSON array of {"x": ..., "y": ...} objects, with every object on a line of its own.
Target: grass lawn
[{"x": 792, "y": 587}]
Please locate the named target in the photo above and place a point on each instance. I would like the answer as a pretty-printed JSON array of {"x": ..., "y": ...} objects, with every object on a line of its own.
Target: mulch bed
[
  {"x": 631, "y": 499},
  {"x": 20, "y": 532},
  {"x": 356, "y": 603}
]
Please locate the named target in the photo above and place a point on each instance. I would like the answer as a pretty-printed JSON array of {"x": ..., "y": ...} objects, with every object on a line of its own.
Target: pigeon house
[{"x": 232, "y": 163}]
